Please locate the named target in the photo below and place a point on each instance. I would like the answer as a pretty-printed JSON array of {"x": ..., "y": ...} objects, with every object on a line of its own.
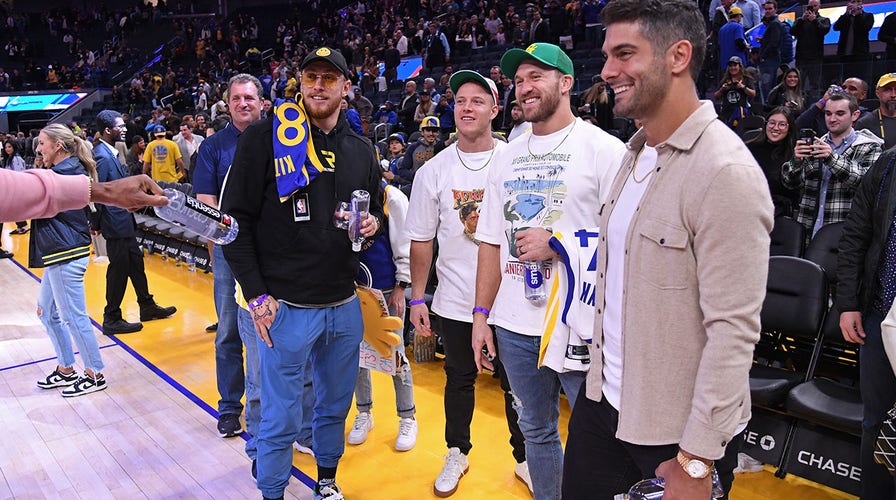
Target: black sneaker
[
  {"x": 212, "y": 328},
  {"x": 155, "y": 311},
  {"x": 58, "y": 379},
  {"x": 119, "y": 326},
  {"x": 229, "y": 425},
  {"x": 4, "y": 254},
  {"x": 85, "y": 385}
]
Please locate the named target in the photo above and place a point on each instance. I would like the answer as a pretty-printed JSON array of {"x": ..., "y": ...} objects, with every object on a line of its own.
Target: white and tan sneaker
[{"x": 456, "y": 465}]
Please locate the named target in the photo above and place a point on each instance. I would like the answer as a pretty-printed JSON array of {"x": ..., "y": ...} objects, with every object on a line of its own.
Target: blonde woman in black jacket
[{"x": 61, "y": 245}]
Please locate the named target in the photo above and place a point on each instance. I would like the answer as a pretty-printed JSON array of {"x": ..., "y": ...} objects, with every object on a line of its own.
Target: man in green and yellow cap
[{"x": 548, "y": 182}]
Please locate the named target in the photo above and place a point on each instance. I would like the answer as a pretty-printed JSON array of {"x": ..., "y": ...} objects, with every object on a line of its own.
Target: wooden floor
[{"x": 152, "y": 434}]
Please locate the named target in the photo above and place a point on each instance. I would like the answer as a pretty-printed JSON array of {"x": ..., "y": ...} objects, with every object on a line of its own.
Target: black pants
[
  {"x": 125, "y": 261},
  {"x": 597, "y": 465},
  {"x": 460, "y": 397},
  {"x": 878, "y": 395}
]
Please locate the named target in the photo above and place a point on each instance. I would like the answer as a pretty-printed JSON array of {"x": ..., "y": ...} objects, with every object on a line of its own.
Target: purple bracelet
[
  {"x": 258, "y": 301},
  {"x": 417, "y": 302},
  {"x": 481, "y": 310}
]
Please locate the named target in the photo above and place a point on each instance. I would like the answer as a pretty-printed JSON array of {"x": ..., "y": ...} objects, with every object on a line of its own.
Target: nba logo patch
[{"x": 300, "y": 209}]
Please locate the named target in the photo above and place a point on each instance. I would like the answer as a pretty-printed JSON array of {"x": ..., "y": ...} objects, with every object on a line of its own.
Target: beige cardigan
[{"x": 695, "y": 273}]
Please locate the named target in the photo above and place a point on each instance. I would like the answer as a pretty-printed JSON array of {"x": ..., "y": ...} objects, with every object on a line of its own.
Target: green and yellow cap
[{"x": 545, "y": 53}]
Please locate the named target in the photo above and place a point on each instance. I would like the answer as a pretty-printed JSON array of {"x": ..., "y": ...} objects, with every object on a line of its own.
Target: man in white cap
[{"x": 445, "y": 207}]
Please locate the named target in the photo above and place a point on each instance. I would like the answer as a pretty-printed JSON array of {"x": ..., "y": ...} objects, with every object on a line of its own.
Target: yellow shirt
[
  {"x": 162, "y": 155},
  {"x": 292, "y": 86}
]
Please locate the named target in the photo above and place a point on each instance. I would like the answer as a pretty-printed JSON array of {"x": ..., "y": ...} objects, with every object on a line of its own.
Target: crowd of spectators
[{"x": 188, "y": 81}]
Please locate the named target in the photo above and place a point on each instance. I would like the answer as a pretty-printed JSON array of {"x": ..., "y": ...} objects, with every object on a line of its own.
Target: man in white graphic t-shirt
[
  {"x": 552, "y": 178},
  {"x": 444, "y": 207}
]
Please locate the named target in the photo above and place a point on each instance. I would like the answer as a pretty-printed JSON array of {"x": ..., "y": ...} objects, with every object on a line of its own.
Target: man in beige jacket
[{"x": 682, "y": 266}]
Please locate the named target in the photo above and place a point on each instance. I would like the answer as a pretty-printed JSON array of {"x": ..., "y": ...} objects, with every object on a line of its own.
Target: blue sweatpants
[{"x": 328, "y": 338}]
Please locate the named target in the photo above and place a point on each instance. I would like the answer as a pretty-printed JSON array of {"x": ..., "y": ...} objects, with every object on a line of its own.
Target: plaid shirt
[{"x": 846, "y": 170}]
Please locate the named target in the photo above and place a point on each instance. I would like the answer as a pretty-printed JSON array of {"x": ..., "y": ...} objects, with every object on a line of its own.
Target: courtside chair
[{"x": 787, "y": 237}]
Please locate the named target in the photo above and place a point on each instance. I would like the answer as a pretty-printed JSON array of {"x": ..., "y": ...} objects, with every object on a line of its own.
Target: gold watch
[{"x": 697, "y": 469}]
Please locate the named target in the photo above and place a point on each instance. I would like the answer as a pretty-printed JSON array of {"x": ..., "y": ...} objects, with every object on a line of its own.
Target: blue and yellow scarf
[{"x": 293, "y": 146}]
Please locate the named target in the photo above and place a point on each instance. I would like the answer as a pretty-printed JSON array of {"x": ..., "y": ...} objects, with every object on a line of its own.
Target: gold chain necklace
[
  {"x": 635, "y": 168},
  {"x": 462, "y": 162},
  {"x": 539, "y": 157}
]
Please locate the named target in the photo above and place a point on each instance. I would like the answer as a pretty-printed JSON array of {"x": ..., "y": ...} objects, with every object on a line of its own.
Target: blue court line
[
  {"x": 296, "y": 472},
  {"x": 44, "y": 360}
]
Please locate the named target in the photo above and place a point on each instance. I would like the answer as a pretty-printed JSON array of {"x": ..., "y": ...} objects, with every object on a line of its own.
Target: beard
[
  {"x": 891, "y": 106},
  {"x": 549, "y": 102},
  {"x": 646, "y": 96},
  {"x": 320, "y": 111}
]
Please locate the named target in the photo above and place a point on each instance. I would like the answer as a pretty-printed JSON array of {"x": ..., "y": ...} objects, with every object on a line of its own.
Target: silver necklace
[
  {"x": 462, "y": 162},
  {"x": 539, "y": 157}
]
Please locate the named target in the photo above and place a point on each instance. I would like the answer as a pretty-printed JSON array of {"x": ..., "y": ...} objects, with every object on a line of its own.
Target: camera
[{"x": 807, "y": 135}]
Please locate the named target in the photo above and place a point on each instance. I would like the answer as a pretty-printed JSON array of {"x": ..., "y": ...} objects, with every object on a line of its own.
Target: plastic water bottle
[
  {"x": 360, "y": 207},
  {"x": 652, "y": 489},
  {"x": 188, "y": 212},
  {"x": 191, "y": 262},
  {"x": 534, "y": 281}
]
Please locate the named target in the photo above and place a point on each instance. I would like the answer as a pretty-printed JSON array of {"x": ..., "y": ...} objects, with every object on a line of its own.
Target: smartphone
[{"x": 807, "y": 135}]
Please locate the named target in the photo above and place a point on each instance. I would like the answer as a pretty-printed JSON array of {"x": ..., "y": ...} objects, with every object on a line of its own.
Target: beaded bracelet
[
  {"x": 481, "y": 310},
  {"x": 258, "y": 301},
  {"x": 417, "y": 302}
]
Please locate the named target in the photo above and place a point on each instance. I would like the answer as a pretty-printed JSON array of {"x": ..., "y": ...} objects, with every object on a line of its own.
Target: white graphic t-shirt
[
  {"x": 557, "y": 181},
  {"x": 445, "y": 203}
]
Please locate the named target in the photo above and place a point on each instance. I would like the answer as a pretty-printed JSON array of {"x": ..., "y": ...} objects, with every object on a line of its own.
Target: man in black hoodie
[{"x": 297, "y": 270}]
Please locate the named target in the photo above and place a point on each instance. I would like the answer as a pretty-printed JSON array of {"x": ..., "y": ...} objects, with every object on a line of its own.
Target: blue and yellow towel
[
  {"x": 569, "y": 316},
  {"x": 296, "y": 164}
]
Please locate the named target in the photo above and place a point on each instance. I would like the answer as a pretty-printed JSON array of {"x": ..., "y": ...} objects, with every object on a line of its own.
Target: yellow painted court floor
[{"x": 180, "y": 350}]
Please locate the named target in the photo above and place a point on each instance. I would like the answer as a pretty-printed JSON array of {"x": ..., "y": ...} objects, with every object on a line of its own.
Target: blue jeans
[
  {"x": 253, "y": 389},
  {"x": 328, "y": 338},
  {"x": 878, "y": 387},
  {"x": 768, "y": 70},
  {"x": 537, "y": 392},
  {"x": 228, "y": 345},
  {"x": 402, "y": 381},
  {"x": 64, "y": 314}
]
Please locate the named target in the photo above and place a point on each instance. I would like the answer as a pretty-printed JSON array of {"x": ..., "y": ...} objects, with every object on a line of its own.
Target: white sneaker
[
  {"x": 521, "y": 471},
  {"x": 363, "y": 424},
  {"x": 407, "y": 434},
  {"x": 102, "y": 259},
  {"x": 746, "y": 463},
  {"x": 302, "y": 449},
  {"x": 456, "y": 465}
]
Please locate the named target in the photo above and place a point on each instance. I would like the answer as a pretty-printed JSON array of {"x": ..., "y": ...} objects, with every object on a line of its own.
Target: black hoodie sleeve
[{"x": 242, "y": 198}]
